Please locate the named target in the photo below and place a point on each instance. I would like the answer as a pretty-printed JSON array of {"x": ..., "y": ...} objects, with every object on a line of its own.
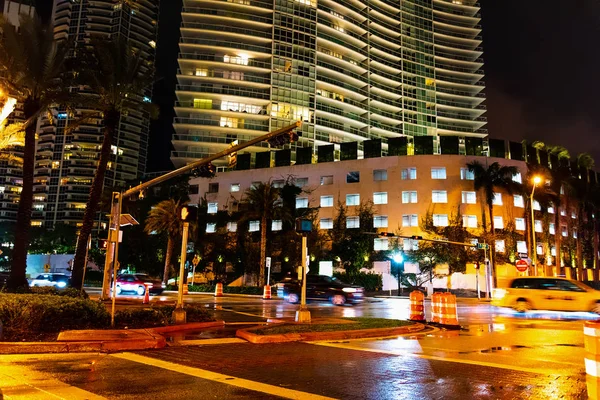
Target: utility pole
[{"x": 303, "y": 314}]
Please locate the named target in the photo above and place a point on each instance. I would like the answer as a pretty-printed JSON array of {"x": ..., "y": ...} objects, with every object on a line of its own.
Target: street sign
[
  {"x": 196, "y": 260},
  {"x": 483, "y": 246},
  {"x": 521, "y": 265},
  {"x": 268, "y": 259}
]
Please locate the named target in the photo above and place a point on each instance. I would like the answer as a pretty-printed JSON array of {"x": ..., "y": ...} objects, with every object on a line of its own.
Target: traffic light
[
  {"x": 189, "y": 213},
  {"x": 416, "y": 237},
  {"x": 284, "y": 138},
  {"x": 205, "y": 171},
  {"x": 303, "y": 225},
  {"x": 103, "y": 244},
  {"x": 386, "y": 234}
]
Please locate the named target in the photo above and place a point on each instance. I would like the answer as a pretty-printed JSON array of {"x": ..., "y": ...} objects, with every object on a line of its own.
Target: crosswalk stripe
[{"x": 221, "y": 378}]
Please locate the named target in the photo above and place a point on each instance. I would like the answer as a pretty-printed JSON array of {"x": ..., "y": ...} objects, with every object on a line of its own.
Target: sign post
[
  {"x": 268, "y": 262},
  {"x": 187, "y": 214},
  {"x": 303, "y": 227}
]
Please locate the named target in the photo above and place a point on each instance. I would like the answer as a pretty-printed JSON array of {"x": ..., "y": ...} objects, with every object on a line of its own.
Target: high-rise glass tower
[
  {"x": 66, "y": 158},
  {"x": 350, "y": 69}
]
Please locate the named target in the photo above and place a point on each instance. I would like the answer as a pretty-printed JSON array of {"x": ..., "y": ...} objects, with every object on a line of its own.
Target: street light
[
  {"x": 536, "y": 180},
  {"x": 398, "y": 258}
]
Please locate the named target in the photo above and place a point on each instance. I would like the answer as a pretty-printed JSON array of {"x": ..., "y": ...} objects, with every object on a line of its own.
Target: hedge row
[
  {"x": 372, "y": 282},
  {"x": 226, "y": 289},
  {"x": 30, "y": 317}
]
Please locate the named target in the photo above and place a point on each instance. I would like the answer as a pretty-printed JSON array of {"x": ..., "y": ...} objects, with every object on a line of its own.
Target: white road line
[
  {"x": 21, "y": 382},
  {"x": 436, "y": 358},
  {"x": 221, "y": 378},
  {"x": 197, "y": 342}
]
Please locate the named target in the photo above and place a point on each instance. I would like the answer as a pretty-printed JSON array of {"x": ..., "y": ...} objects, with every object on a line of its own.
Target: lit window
[
  {"x": 409, "y": 197},
  {"x": 409, "y": 220},
  {"x": 278, "y": 183},
  {"x": 440, "y": 219},
  {"x": 409, "y": 173},
  {"x": 562, "y": 190},
  {"x": 469, "y": 197},
  {"x": 520, "y": 224},
  {"x": 55, "y": 164},
  {"x": 203, "y": 103},
  {"x": 381, "y": 244},
  {"x": 254, "y": 185},
  {"x": 254, "y": 226},
  {"x": 326, "y": 201},
  {"x": 211, "y": 227},
  {"x": 573, "y": 215},
  {"x": 498, "y": 222},
  {"x": 380, "y": 198},
  {"x": 301, "y": 202},
  {"x": 228, "y": 122},
  {"x": 551, "y": 228},
  {"x": 500, "y": 246},
  {"x": 517, "y": 178},
  {"x": 574, "y": 233},
  {"x": 410, "y": 245},
  {"x": 380, "y": 221},
  {"x": 213, "y": 208},
  {"x": 551, "y": 209},
  {"x": 242, "y": 60},
  {"x": 521, "y": 246},
  {"x": 276, "y": 225},
  {"x": 563, "y": 212},
  {"x": 439, "y": 196},
  {"x": 540, "y": 249},
  {"x": 538, "y": 225},
  {"x": 301, "y": 182},
  {"x": 235, "y": 187},
  {"x": 470, "y": 221},
  {"x": 352, "y": 199},
  {"x": 327, "y": 180},
  {"x": 39, "y": 207},
  {"x": 353, "y": 177},
  {"x": 352, "y": 222},
  {"x": 465, "y": 174},
  {"x": 518, "y": 201},
  {"x": 36, "y": 223},
  {"x": 553, "y": 251},
  {"x": 564, "y": 232},
  {"x": 326, "y": 223},
  {"x": 380, "y": 175},
  {"x": 438, "y": 173},
  {"x": 115, "y": 150},
  {"x": 536, "y": 205},
  {"x": 232, "y": 226},
  {"x": 3, "y": 188},
  {"x": 497, "y": 200}
]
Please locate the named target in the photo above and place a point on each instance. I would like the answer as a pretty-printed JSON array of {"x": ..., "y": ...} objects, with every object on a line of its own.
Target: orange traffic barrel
[
  {"x": 435, "y": 307},
  {"x": 146, "y": 295},
  {"x": 591, "y": 342},
  {"x": 417, "y": 308},
  {"x": 219, "y": 290},
  {"x": 267, "y": 292},
  {"x": 185, "y": 289},
  {"x": 448, "y": 314}
]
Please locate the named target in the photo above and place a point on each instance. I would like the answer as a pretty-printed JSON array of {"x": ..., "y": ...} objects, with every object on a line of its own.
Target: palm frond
[{"x": 12, "y": 135}]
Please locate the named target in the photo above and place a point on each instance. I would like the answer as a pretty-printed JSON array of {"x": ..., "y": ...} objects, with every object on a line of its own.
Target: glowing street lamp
[
  {"x": 536, "y": 180},
  {"x": 397, "y": 257}
]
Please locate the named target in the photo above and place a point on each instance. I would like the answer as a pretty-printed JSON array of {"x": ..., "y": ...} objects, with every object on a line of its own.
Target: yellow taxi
[{"x": 540, "y": 293}]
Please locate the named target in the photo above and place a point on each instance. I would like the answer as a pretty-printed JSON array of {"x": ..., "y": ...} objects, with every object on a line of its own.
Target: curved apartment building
[{"x": 352, "y": 70}]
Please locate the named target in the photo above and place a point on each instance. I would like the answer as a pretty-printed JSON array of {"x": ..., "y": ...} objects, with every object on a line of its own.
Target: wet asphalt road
[{"x": 497, "y": 355}]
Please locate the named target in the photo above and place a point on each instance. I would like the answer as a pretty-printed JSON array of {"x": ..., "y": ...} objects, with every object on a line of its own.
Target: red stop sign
[{"x": 521, "y": 265}]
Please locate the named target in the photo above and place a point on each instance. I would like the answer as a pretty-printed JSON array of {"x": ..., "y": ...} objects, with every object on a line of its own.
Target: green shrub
[
  {"x": 68, "y": 292},
  {"x": 37, "y": 317},
  {"x": 194, "y": 312},
  {"x": 134, "y": 318},
  {"x": 226, "y": 289},
  {"x": 370, "y": 281}
]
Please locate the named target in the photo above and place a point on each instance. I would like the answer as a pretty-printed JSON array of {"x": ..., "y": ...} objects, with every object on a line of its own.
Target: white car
[
  {"x": 541, "y": 293},
  {"x": 59, "y": 281}
]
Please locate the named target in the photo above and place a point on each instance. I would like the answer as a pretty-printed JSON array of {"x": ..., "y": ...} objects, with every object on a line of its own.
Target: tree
[
  {"x": 31, "y": 69},
  {"x": 118, "y": 75},
  {"x": 164, "y": 219},
  {"x": 263, "y": 202}
]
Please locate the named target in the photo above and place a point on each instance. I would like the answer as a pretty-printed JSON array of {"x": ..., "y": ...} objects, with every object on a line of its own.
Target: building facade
[
  {"x": 403, "y": 189},
  {"x": 350, "y": 70},
  {"x": 66, "y": 158}
]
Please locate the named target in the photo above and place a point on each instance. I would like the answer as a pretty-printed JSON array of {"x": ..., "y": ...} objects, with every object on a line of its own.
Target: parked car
[
  {"x": 556, "y": 294},
  {"x": 59, "y": 281},
  {"x": 137, "y": 283},
  {"x": 322, "y": 287}
]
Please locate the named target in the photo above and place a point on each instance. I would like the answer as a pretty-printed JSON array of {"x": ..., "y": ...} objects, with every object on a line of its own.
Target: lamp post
[
  {"x": 399, "y": 260},
  {"x": 536, "y": 180}
]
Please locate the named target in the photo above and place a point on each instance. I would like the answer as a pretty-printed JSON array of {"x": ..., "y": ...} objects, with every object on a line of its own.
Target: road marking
[
  {"x": 197, "y": 342},
  {"x": 436, "y": 358},
  {"x": 21, "y": 382},
  {"x": 221, "y": 378}
]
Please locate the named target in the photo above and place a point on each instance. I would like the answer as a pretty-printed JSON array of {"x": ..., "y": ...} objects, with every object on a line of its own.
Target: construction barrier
[
  {"x": 267, "y": 292},
  {"x": 219, "y": 290},
  {"x": 435, "y": 307},
  {"x": 146, "y": 295},
  {"x": 417, "y": 307},
  {"x": 185, "y": 289},
  {"x": 448, "y": 313},
  {"x": 591, "y": 342}
]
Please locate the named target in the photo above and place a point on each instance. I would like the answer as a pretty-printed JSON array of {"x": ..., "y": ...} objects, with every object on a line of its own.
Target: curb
[
  {"x": 154, "y": 340},
  {"x": 247, "y": 334}
]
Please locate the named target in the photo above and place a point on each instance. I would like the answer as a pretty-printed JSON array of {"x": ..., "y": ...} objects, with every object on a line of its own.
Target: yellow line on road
[
  {"x": 221, "y": 378},
  {"x": 436, "y": 358}
]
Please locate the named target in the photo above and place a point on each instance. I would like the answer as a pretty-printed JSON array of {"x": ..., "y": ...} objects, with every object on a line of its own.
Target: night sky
[{"x": 541, "y": 67}]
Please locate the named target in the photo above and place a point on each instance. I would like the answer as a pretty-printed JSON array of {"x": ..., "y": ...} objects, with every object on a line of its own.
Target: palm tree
[
  {"x": 263, "y": 202},
  {"x": 488, "y": 180},
  {"x": 31, "y": 66},
  {"x": 117, "y": 75},
  {"x": 164, "y": 218}
]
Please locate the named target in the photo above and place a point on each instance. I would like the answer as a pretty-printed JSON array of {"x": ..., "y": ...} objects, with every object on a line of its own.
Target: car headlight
[
  {"x": 498, "y": 293},
  {"x": 349, "y": 290},
  {"x": 163, "y": 286},
  {"x": 61, "y": 284}
]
